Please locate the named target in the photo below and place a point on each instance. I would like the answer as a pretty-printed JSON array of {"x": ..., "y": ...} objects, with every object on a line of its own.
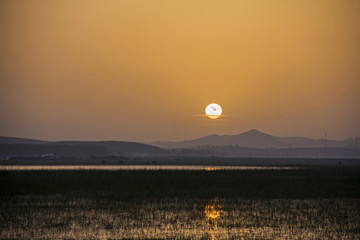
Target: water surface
[{"x": 143, "y": 167}]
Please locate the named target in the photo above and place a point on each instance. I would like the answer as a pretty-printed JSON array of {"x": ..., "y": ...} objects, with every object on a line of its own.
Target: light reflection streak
[
  {"x": 213, "y": 214},
  {"x": 140, "y": 167}
]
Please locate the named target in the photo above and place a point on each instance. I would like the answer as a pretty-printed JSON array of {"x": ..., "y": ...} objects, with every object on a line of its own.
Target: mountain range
[
  {"x": 251, "y": 143},
  {"x": 256, "y": 139}
]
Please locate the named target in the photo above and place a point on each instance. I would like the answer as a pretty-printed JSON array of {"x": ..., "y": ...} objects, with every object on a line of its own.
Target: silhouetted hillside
[
  {"x": 236, "y": 152},
  {"x": 83, "y": 149},
  {"x": 120, "y": 148},
  {"x": 256, "y": 139},
  {"x": 248, "y": 144},
  {"x": 62, "y": 150},
  {"x": 13, "y": 140}
]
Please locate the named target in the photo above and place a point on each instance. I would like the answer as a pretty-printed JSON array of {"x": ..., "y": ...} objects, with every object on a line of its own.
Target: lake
[{"x": 142, "y": 167}]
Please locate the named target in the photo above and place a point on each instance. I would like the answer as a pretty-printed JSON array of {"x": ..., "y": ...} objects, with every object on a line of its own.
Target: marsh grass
[
  {"x": 313, "y": 204},
  {"x": 58, "y": 217}
]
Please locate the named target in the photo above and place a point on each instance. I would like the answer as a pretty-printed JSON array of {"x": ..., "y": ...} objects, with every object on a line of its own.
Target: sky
[{"x": 140, "y": 70}]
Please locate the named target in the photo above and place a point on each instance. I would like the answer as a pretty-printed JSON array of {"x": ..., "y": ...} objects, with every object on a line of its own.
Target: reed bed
[{"x": 321, "y": 203}]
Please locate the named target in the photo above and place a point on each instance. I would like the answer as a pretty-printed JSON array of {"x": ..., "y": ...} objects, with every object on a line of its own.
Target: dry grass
[
  {"x": 60, "y": 217},
  {"x": 294, "y": 204}
]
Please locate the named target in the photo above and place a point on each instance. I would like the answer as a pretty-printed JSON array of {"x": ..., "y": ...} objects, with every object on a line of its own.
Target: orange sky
[{"x": 142, "y": 70}]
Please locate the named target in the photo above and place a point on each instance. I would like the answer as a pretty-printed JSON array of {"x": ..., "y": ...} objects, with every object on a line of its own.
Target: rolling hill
[
  {"x": 256, "y": 139},
  {"x": 28, "y": 147}
]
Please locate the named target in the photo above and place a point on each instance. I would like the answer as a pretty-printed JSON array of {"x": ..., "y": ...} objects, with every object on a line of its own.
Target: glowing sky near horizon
[{"x": 141, "y": 70}]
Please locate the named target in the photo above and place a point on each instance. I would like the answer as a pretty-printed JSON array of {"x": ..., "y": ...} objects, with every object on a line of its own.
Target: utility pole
[{"x": 325, "y": 140}]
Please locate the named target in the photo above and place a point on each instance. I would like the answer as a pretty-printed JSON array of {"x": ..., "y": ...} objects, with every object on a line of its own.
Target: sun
[{"x": 213, "y": 111}]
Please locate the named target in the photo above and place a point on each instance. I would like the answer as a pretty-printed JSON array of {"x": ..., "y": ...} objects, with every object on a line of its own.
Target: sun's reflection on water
[
  {"x": 212, "y": 168},
  {"x": 213, "y": 214},
  {"x": 213, "y": 211}
]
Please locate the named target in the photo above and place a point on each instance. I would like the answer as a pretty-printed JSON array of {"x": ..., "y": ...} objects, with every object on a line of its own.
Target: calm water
[{"x": 144, "y": 167}]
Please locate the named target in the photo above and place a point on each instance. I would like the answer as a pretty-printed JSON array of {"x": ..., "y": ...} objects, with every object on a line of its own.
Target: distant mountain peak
[
  {"x": 254, "y": 132},
  {"x": 212, "y": 135}
]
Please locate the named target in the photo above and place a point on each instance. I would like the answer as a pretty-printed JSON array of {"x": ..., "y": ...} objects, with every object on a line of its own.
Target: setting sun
[{"x": 213, "y": 110}]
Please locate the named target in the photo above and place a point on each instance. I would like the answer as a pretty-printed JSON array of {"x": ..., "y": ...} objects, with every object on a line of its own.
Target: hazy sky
[{"x": 143, "y": 70}]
